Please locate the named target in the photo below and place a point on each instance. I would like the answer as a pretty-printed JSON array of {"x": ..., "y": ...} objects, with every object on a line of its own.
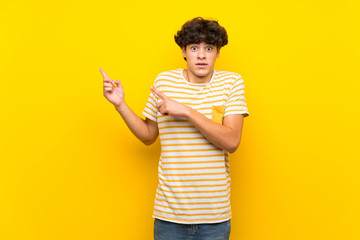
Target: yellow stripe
[
  {"x": 203, "y": 103},
  {"x": 238, "y": 82},
  {"x": 192, "y": 168},
  {"x": 198, "y": 197},
  {"x": 181, "y": 87},
  {"x": 189, "y": 150},
  {"x": 243, "y": 111},
  {"x": 182, "y": 138},
  {"x": 189, "y": 144},
  {"x": 180, "y": 120},
  {"x": 193, "y": 162},
  {"x": 222, "y": 85},
  {"x": 176, "y": 71},
  {"x": 196, "y": 186},
  {"x": 192, "y": 220},
  {"x": 166, "y": 127},
  {"x": 199, "y": 99},
  {"x": 194, "y": 156},
  {"x": 191, "y": 209},
  {"x": 194, "y": 174},
  {"x": 149, "y": 114},
  {"x": 219, "y": 84},
  {"x": 166, "y": 75},
  {"x": 204, "y": 108},
  {"x": 195, "y": 180},
  {"x": 237, "y": 91},
  {"x": 177, "y": 119},
  {"x": 190, "y": 132},
  {"x": 225, "y": 73},
  {"x": 152, "y": 105},
  {"x": 236, "y": 100},
  {"x": 183, "y": 192},
  {"x": 152, "y": 97},
  {"x": 236, "y": 105},
  {"x": 193, "y": 203}
]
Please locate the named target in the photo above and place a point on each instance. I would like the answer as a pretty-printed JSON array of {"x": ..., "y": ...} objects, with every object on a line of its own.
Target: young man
[{"x": 198, "y": 113}]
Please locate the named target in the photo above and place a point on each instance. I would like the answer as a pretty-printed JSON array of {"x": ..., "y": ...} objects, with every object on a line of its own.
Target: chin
[{"x": 202, "y": 73}]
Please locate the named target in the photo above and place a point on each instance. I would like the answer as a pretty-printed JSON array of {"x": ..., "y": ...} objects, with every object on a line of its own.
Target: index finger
[
  {"x": 157, "y": 92},
  {"x": 104, "y": 74}
]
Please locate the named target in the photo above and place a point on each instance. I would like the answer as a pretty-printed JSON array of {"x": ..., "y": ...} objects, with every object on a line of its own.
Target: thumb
[{"x": 118, "y": 83}]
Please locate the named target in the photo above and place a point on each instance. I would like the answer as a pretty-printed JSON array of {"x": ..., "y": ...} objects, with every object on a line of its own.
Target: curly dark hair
[{"x": 199, "y": 30}]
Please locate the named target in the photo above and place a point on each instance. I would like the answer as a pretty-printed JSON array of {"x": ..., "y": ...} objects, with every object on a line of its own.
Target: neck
[{"x": 191, "y": 78}]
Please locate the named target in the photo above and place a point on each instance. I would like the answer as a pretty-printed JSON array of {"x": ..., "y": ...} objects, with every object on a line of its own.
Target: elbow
[
  {"x": 231, "y": 149},
  {"x": 148, "y": 142},
  {"x": 233, "y": 146},
  {"x": 149, "y": 139}
]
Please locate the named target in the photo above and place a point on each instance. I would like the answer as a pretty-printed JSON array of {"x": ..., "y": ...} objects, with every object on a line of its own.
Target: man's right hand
[{"x": 113, "y": 93}]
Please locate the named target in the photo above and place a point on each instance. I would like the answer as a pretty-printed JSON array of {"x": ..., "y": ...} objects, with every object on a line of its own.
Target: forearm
[
  {"x": 225, "y": 136},
  {"x": 137, "y": 125},
  {"x": 220, "y": 135}
]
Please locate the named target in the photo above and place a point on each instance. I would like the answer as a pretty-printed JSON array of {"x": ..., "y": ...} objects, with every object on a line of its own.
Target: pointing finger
[
  {"x": 103, "y": 74},
  {"x": 157, "y": 92}
]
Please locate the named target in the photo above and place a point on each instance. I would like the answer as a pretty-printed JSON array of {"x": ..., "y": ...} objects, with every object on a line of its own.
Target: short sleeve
[
  {"x": 150, "y": 110},
  {"x": 236, "y": 103}
]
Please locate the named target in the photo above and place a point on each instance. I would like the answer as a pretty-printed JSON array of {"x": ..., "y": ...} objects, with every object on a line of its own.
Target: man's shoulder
[
  {"x": 227, "y": 77},
  {"x": 170, "y": 76},
  {"x": 175, "y": 73},
  {"x": 228, "y": 74}
]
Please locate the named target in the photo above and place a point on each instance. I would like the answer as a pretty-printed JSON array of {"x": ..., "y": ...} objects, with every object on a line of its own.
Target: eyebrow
[{"x": 197, "y": 44}]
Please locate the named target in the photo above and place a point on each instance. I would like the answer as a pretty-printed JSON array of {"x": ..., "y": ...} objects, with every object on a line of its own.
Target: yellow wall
[{"x": 70, "y": 169}]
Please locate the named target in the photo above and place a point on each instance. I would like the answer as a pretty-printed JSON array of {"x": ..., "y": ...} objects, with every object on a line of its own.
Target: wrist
[
  {"x": 188, "y": 112},
  {"x": 120, "y": 107}
]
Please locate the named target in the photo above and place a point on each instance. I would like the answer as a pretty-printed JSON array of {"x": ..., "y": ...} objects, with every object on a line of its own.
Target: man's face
[{"x": 200, "y": 58}]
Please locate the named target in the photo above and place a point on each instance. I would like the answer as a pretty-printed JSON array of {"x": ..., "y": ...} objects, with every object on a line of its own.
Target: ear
[
  {"x": 218, "y": 52},
  {"x": 183, "y": 50}
]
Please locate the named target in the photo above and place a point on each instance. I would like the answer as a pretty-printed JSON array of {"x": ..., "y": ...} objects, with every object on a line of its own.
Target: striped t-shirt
[{"x": 194, "y": 181}]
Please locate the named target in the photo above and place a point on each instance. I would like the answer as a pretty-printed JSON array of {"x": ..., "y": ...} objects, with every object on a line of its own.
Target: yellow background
[{"x": 70, "y": 168}]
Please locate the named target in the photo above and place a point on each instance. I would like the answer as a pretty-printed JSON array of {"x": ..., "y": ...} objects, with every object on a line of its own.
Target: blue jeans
[{"x": 164, "y": 230}]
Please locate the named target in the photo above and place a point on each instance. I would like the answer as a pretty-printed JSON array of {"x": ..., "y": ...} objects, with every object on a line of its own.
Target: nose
[{"x": 201, "y": 53}]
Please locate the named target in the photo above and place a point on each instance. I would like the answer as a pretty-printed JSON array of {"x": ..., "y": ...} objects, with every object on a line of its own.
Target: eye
[
  {"x": 193, "y": 48},
  {"x": 209, "y": 48}
]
